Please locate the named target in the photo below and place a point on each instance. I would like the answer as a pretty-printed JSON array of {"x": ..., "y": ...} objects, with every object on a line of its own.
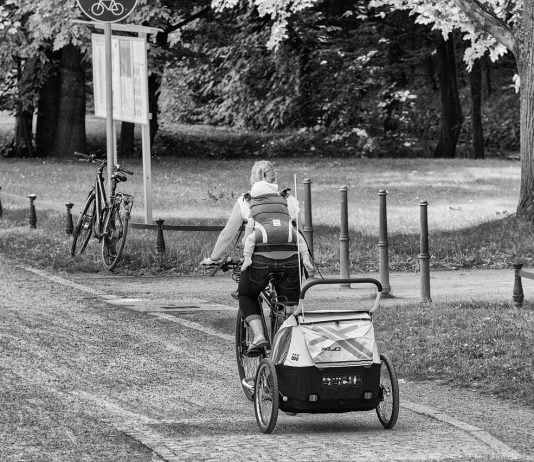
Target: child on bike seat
[{"x": 270, "y": 224}]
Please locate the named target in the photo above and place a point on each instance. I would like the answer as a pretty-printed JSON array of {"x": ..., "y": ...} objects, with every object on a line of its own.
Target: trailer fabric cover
[
  {"x": 290, "y": 346},
  {"x": 326, "y": 339}
]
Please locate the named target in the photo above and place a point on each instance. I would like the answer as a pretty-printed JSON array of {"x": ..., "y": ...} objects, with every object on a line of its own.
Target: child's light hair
[{"x": 262, "y": 170}]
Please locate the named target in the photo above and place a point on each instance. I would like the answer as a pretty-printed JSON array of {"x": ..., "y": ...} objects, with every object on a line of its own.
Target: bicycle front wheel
[
  {"x": 388, "y": 407},
  {"x": 84, "y": 227},
  {"x": 115, "y": 232},
  {"x": 246, "y": 365}
]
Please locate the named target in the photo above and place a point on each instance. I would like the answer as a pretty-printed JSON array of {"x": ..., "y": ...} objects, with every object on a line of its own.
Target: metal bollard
[
  {"x": 70, "y": 226},
  {"x": 1, "y": 210},
  {"x": 160, "y": 242},
  {"x": 308, "y": 222},
  {"x": 33, "y": 216},
  {"x": 344, "y": 262},
  {"x": 518, "y": 295},
  {"x": 383, "y": 245},
  {"x": 424, "y": 256}
]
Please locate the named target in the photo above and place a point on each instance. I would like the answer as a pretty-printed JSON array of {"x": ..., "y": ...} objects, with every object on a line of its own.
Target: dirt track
[{"x": 108, "y": 368}]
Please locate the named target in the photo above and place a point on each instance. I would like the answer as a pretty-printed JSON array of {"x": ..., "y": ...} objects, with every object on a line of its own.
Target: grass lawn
[
  {"x": 470, "y": 210},
  {"x": 487, "y": 347}
]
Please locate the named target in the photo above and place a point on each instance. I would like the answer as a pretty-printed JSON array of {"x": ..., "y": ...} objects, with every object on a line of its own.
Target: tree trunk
[
  {"x": 70, "y": 131},
  {"x": 21, "y": 144},
  {"x": 451, "y": 111},
  {"x": 524, "y": 53},
  {"x": 476, "y": 110},
  {"x": 126, "y": 140},
  {"x": 47, "y": 109}
]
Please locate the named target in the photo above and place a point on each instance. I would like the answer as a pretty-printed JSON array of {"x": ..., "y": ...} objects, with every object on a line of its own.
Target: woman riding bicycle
[{"x": 278, "y": 259}]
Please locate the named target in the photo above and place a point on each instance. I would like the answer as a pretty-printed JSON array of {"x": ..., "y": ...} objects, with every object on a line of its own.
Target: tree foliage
[{"x": 335, "y": 68}]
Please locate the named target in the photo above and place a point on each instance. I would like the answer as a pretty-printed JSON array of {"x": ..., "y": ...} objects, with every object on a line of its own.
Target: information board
[{"x": 129, "y": 76}]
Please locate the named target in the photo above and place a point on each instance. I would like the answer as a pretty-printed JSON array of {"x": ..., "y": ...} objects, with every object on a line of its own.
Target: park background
[{"x": 349, "y": 98}]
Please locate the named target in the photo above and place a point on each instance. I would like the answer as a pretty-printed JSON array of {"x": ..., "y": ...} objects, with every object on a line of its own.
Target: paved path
[
  {"x": 446, "y": 286},
  {"x": 152, "y": 359}
]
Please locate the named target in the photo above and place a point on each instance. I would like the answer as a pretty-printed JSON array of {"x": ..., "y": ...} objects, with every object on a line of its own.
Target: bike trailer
[{"x": 327, "y": 361}]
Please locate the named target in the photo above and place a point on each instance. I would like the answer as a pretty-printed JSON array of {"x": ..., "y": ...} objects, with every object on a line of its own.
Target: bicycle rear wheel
[
  {"x": 115, "y": 233},
  {"x": 246, "y": 365},
  {"x": 84, "y": 227},
  {"x": 388, "y": 407}
]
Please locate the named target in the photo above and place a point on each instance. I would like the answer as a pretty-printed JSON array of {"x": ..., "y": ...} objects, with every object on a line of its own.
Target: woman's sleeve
[
  {"x": 250, "y": 243},
  {"x": 228, "y": 233}
]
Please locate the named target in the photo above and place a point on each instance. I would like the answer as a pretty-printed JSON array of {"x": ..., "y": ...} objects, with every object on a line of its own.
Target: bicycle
[
  {"x": 106, "y": 220},
  {"x": 278, "y": 311}
]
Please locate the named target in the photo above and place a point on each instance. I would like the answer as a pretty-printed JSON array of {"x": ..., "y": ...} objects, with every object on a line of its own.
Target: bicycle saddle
[{"x": 118, "y": 177}]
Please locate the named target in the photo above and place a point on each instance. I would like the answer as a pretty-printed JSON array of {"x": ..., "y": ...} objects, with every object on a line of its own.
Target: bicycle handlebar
[
  {"x": 226, "y": 265},
  {"x": 88, "y": 157},
  {"x": 94, "y": 158}
]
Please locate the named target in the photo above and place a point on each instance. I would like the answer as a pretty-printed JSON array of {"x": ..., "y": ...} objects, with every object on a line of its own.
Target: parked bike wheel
[
  {"x": 115, "y": 232},
  {"x": 266, "y": 398},
  {"x": 246, "y": 365},
  {"x": 388, "y": 407},
  {"x": 84, "y": 227}
]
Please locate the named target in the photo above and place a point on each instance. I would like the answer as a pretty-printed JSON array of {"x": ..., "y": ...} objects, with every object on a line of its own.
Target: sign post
[
  {"x": 107, "y": 12},
  {"x": 110, "y": 126}
]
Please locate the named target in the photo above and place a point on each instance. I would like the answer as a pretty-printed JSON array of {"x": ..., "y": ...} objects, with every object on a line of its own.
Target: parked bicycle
[
  {"x": 274, "y": 312},
  {"x": 107, "y": 220}
]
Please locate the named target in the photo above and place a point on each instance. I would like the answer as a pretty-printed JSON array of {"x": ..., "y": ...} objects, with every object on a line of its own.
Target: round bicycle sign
[{"x": 107, "y": 10}]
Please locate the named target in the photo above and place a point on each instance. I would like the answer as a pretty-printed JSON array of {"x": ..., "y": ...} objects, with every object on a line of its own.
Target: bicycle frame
[
  {"x": 101, "y": 201},
  {"x": 277, "y": 309}
]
